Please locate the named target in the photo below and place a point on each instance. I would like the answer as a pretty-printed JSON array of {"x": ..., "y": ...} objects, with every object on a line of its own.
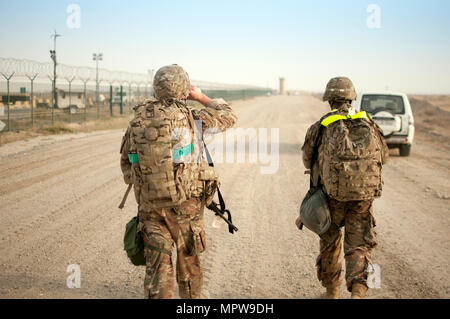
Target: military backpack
[
  {"x": 350, "y": 157},
  {"x": 166, "y": 163}
]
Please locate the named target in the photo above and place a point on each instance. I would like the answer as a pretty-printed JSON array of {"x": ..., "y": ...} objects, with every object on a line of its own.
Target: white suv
[{"x": 392, "y": 112}]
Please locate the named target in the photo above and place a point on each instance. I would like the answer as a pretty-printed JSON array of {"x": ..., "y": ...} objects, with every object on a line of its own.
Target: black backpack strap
[
  {"x": 315, "y": 155},
  {"x": 220, "y": 209}
]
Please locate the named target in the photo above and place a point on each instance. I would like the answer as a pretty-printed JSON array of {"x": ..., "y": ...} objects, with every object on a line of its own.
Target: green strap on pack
[
  {"x": 133, "y": 158},
  {"x": 177, "y": 153},
  {"x": 180, "y": 152}
]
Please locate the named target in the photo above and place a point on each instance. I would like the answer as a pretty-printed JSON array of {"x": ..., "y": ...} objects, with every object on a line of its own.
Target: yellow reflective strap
[
  {"x": 334, "y": 118},
  {"x": 360, "y": 115}
]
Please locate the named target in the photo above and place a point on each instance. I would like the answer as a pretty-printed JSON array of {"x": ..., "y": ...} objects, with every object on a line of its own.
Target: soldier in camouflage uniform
[
  {"x": 356, "y": 216},
  {"x": 181, "y": 226}
]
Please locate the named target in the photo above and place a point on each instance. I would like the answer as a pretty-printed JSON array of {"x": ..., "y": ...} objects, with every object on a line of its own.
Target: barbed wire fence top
[
  {"x": 23, "y": 69},
  {"x": 80, "y": 94}
]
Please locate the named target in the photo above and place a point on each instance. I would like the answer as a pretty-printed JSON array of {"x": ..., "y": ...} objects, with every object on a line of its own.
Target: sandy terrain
[
  {"x": 431, "y": 116},
  {"x": 59, "y": 197}
]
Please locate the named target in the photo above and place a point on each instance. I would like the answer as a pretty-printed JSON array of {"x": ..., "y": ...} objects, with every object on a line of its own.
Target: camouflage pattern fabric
[
  {"x": 350, "y": 158},
  {"x": 356, "y": 216},
  {"x": 171, "y": 82},
  {"x": 311, "y": 136},
  {"x": 180, "y": 225},
  {"x": 162, "y": 229},
  {"x": 359, "y": 241},
  {"x": 339, "y": 88},
  {"x": 184, "y": 177},
  {"x": 216, "y": 114}
]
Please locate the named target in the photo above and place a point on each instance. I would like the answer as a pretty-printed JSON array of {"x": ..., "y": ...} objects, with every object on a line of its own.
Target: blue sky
[{"x": 252, "y": 42}]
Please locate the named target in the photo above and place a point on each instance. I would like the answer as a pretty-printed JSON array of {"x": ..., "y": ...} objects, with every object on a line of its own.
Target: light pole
[
  {"x": 97, "y": 57},
  {"x": 53, "y": 56}
]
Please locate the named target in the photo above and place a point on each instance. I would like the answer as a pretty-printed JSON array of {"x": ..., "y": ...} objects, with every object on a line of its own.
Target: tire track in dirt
[
  {"x": 19, "y": 185},
  {"x": 72, "y": 218},
  {"x": 47, "y": 160}
]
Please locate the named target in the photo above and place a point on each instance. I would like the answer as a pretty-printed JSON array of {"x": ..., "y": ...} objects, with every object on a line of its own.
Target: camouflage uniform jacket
[
  {"x": 217, "y": 114},
  {"x": 308, "y": 147}
]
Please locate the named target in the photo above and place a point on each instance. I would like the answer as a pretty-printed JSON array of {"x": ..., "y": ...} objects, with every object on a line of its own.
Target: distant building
[
  {"x": 77, "y": 99},
  {"x": 282, "y": 86}
]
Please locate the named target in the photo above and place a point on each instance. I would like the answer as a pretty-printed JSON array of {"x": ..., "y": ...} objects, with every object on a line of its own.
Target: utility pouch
[
  {"x": 133, "y": 243},
  {"x": 196, "y": 242}
]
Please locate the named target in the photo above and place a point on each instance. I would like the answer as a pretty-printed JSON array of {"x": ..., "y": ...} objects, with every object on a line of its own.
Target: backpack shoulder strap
[{"x": 315, "y": 154}]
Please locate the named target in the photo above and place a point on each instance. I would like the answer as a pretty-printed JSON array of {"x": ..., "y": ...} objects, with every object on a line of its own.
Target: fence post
[
  {"x": 31, "y": 97},
  {"x": 129, "y": 98},
  {"x": 8, "y": 99},
  {"x": 98, "y": 99},
  {"x": 85, "y": 97},
  {"x": 110, "y": 100},
  {"x": 121, "y": 100},
  {"x": 138, "y": 93},
  {"x": 70, "y": 97}
]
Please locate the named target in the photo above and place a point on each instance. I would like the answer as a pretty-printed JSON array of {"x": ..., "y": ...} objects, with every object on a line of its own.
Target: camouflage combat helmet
[
  {"x": 171, "y": 82},
  {"x": 339, "y": 88}
]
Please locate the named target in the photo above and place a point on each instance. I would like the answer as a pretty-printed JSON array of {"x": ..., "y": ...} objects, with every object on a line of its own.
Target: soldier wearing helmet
[
  {"x": 350, "y": 181},
  {"x": 172, "y": 181}
]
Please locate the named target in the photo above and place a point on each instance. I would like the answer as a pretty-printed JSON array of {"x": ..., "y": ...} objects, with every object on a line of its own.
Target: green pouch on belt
[{"x": 133, "y": 243}]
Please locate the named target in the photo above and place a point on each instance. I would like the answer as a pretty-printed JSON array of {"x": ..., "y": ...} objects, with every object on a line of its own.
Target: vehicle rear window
[{"x": 374, "y": 103}]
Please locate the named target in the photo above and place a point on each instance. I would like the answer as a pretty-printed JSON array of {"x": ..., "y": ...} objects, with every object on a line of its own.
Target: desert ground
[{"x": 59, "y": 196}]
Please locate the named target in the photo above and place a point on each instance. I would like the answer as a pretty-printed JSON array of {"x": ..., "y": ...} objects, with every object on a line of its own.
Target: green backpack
[{"x": 133, "y": 243}]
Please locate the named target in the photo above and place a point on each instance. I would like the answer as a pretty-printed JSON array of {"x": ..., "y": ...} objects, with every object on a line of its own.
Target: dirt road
[{"x": 59, "y": 197}]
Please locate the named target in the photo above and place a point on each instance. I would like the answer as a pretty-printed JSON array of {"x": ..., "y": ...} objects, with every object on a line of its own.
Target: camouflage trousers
[
  {"x": 163, "y": 229},
  {"x": 359, "y": 241}
]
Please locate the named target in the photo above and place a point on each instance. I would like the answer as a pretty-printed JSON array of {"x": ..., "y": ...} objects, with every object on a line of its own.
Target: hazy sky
[{"x": 250, "y": 42}]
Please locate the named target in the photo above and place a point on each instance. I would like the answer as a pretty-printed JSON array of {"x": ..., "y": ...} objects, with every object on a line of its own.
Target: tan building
[{"x": 282, "y": 86}]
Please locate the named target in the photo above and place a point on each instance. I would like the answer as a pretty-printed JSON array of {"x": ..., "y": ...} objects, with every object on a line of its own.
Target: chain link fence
[{"x": 27, "y": 101}]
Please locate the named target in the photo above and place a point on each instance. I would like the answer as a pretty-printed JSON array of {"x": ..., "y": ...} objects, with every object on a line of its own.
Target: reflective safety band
[
  {"x": 180, "y": 152},
  {"x": 334, "y": 118},
  {"x": 133, "y": 158}
]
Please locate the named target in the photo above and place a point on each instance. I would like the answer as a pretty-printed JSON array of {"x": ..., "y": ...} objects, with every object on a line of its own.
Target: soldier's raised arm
[{"x": 216, "y": 112}]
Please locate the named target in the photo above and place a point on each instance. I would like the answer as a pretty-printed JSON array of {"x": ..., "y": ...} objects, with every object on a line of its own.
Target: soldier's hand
[{"x": 196, "y": 95}]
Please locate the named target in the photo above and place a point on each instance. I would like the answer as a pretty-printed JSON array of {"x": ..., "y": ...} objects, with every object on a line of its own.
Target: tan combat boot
[
  {"x": 332, "y": 293},
  {"x": 358, "y": 291}
]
